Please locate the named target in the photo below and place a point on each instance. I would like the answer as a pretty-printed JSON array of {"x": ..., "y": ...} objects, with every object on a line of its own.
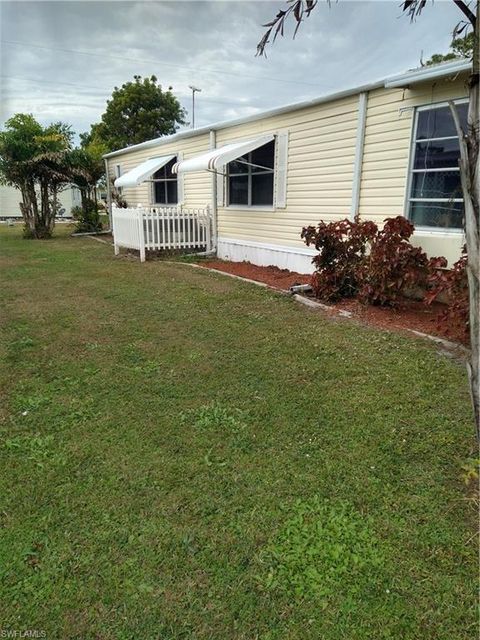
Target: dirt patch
[
  {"x": 411, "y": 314},
  {"x": 273, "y": 276}
]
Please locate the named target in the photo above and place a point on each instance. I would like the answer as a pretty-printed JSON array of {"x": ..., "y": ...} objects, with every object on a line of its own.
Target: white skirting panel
[{"x": 293, "y": 258}]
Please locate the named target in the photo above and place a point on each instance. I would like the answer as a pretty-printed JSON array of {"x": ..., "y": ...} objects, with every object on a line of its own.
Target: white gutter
[
  {"x": 224, "y": 124},
  {"x": 358, "y": 162},
  {"x": 425, "y": 74},
  {"x": 212, "y": 145},
  {"x": 418, "y": 75}
]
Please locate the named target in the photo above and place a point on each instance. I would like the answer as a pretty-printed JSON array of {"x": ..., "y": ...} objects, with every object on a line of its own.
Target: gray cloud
[{"x": 84, "y": 49}]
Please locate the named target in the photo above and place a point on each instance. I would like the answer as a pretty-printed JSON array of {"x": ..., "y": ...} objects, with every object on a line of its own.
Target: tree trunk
[
  {"x": 471, "y": 190},
  {"x": 30, "y": 209},
  {"x": 27, "y": 210},
  {"x": 52, "y": 209},
  {"x": 470, "y": 176}
]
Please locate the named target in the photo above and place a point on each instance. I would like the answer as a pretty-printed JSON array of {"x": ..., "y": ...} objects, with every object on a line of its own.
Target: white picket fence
[{"x": 157, "y": 228}]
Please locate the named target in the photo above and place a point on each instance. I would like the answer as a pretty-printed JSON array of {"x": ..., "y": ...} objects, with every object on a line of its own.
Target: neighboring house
[
  {"x": 10, "y": 197},
  {"x": 385, "y": 149}
]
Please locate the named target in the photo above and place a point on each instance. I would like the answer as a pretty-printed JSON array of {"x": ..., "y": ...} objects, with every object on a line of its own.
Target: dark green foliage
[
  {"x": 137, "y": 111},
  {"x": 459, "y": 48},
  {"x": 33, "y": 159},
  {"x": 87, "y": 217}
]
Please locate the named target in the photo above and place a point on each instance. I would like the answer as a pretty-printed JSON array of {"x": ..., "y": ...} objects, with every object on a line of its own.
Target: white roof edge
[
  {"x": 223, "y": 124},
  {"x": 425, "y": 74},
  {"x": 400, "y": 80}
]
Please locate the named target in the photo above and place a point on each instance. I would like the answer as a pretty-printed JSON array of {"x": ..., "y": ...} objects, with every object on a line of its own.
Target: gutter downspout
[
  {"x": 358, "y": 162},
  {"x": 109, "y": 196},
  {"x": 212, "y": 145}
]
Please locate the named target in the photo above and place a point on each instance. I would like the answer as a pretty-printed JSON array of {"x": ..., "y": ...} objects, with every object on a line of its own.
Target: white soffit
[
  {"x": 217, "y": 158},
  {"x": 142, "y": 172}
]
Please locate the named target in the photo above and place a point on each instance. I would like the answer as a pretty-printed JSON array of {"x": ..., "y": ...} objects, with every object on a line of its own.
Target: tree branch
[{"x": 466, "y": 11}]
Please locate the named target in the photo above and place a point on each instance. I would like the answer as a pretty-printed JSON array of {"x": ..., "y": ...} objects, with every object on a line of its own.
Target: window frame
[
  {"x": 411, "y": 171},
  {"x": 249, "y": 205},
  {"x": 153, "y": 182}
]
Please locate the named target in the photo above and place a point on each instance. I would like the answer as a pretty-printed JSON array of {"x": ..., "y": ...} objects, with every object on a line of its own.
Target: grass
[{"x": 185, "y": 456}]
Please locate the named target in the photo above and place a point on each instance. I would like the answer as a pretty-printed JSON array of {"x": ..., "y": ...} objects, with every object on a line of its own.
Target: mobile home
[
  {"x": 384, "y": 149},
  {"x": 10, "y": 199}
]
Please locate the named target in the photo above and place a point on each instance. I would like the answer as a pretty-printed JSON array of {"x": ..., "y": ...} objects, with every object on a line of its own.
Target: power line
[
  {"x": 161, "y": 62},
  {"x": 84, "y": 86}
]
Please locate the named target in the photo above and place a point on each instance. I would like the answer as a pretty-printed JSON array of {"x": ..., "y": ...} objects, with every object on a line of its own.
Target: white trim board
[{"x": 297, "y": 259}]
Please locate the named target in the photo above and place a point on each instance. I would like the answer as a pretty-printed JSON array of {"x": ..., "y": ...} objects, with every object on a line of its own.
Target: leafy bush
[
  {"x": 87, "y": 217},
  {"x": 342, "y": 247},
  {"x": 393, "y": 265},
  {"x": 452, "y": 284},
  {"x": 358, "y": 258}
]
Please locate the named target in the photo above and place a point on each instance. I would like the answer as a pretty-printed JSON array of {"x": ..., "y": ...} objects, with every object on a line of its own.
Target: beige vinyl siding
[
  {"x": 321, "y": 151},
  {"x": 388, "y": 134},
  {"x": 197, "y": 186}
]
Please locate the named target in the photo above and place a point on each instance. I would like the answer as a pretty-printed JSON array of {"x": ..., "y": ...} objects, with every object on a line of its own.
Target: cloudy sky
[{"x": 60, "y": 60}]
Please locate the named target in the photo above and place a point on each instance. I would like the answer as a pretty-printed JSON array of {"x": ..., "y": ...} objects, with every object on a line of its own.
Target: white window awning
[
  {"x": 143, "y": 172},
  {"x": 217, "y": 158}
]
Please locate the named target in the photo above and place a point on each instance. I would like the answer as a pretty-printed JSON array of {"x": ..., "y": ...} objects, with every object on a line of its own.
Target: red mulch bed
[
  {"x": 410, "y": 315},
  {"x": 273, "y": 276}
]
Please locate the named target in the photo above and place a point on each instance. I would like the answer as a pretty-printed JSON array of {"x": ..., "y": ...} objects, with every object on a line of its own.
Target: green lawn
[{"x": 186, "y": 456}]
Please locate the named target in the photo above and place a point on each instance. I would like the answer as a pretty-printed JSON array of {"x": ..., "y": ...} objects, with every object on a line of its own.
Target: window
[
  {"x": 250, "y": 178},
  {"x": 165, "y": 189},
  {"x": 435, "y": 198}
]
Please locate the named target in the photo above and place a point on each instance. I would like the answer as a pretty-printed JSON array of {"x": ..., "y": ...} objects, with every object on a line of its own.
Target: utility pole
[{"x": 193, "y": 103}]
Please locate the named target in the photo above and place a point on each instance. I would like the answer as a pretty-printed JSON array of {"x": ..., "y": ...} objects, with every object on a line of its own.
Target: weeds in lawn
[
  {"x": 37, "y": 449},
  {"x": 213, "y": 416},
  {"x": 230, "y": 424},
  {"x": 470, "y": 471},
  {"x": 323, "y": 548}
]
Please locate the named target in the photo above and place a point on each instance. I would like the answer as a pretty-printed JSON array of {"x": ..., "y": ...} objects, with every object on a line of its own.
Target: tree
[
  {"x": 86, "y": 170},
  {"x": 469, "y": 156},
  {"x": 33, "y": 159},
  {"x": 460, "y": 48},
  {"x": 138, "y": 111}
]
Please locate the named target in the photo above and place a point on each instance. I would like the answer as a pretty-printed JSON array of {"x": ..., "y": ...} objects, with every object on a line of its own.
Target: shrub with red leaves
[
  {"x": 342, "y": 248},
  {"x": 453, "y": 285},
  {"x": 393, "y": 265},
  {"x": 356, "y": 258}
]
